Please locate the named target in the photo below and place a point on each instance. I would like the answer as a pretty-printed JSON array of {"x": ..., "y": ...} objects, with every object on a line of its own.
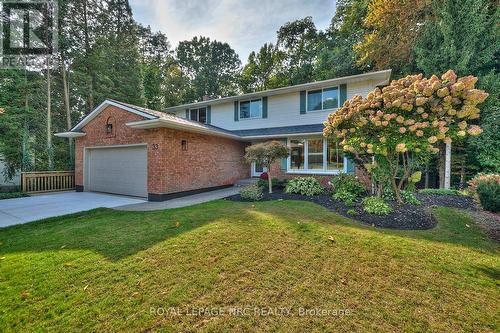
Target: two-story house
[{"x": 125, "y": 149}]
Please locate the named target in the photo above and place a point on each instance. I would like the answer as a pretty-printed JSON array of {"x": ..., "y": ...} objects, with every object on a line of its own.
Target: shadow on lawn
[
  {"x": 118, "y": 234},
  {"x": 454, "y": 227},
  {"x": 114, "y": 234}
]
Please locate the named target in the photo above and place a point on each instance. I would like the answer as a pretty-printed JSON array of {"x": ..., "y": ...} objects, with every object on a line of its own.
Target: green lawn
[{"x": 106, "y": 270}]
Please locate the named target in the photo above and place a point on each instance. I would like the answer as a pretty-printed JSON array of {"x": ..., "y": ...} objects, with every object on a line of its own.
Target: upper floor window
[
  {"x": 251, "y": 109},
  {"x": 323, "y": 99},
  {"x": 198, "y": 115}
]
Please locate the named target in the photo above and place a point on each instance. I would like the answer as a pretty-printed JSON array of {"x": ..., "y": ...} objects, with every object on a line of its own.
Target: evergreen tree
[
  {"x": 155, "y": 59},
  {"x": 463, "y": 36}
]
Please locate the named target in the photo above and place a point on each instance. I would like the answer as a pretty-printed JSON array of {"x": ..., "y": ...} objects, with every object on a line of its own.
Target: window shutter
[
  {"x": 236, "y": 104},
  {"x": 350, "y": 166},
  {"x": 187, "y": 114},
  {"x": 264, "y": 107},
  {"x": 284, "y": 161},
  {"x": 343, "y": 95},
  {"x": 303, "y": 102},
  {"x": 209, "y": 114},
  {"x": 283, "y": 164}
]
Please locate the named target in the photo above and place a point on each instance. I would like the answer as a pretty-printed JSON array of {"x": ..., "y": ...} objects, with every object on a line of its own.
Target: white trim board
[
  {"x": 105, "y": 104},
  {"x": 306, "y": 170}
]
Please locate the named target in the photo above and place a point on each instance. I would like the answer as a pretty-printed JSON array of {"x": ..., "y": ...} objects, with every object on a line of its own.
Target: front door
[{"x": 257, "y": 170}]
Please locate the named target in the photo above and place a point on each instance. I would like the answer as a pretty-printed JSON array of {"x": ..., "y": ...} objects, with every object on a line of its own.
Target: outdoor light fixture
[{"x": 184, "y": 145}]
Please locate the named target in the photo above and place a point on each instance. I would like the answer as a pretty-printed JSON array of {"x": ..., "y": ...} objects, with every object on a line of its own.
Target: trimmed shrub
[
  {"x": 489, "y": 196},
  {"x": 352, "y": 212},
  {"x": 275, "y": 182},
  {"x": 409, "y": 198},
  {"x": 304, "y": 185},
  {"x": 346, "y": 197},
  {"x": 264, "y": 176},
  {"x": 482, "y": 178},
  {"x": 347, "y": 182},
  {"x": 377, "y": 206},
  {"x": 251, "y": 193},
  {"x": 346, "y": 188},
  {"x": 12, "y": 195},
  {"x": 440, "y": 191}
]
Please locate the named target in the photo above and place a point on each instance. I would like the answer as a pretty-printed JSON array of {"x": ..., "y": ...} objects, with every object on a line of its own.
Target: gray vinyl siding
[{"x": 282, "y": 110}]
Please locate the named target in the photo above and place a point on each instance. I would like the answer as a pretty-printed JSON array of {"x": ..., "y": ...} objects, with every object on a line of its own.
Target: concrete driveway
[{"x": 22, "y": 210}]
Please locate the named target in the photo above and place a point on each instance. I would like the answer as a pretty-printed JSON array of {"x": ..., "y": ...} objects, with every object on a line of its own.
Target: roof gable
[{"x": 143, "y": 112}]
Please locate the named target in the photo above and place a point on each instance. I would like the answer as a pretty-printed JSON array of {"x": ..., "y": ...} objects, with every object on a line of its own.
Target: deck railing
[{"x": 47, "y": 181}]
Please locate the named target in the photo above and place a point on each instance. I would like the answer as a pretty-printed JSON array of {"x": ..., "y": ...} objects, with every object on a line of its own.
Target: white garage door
[{"x": 120, "y": 170}]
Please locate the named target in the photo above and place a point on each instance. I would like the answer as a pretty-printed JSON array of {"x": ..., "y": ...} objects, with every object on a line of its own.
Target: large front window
[
  {"x": 323, "y": 99},
  {"x": 315, "y": 155},
  {"x": 297, "y": 158},
  {"x": 251, "y": 109},
  {"x": 335, "y": 156}
]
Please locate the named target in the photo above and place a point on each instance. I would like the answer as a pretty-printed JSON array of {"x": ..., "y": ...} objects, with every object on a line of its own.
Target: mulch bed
[{"x": 404, "y": 217}]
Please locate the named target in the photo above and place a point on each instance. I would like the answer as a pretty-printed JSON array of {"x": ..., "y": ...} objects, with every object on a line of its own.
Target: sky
[{"x": 245, "y": 24}]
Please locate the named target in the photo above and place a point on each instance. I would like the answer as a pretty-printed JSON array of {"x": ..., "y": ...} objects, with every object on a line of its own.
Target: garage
[{"x": 118, "y": 170}]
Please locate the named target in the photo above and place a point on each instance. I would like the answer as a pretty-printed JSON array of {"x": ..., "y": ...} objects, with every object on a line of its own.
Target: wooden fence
[{"x": 47, "y": 181}]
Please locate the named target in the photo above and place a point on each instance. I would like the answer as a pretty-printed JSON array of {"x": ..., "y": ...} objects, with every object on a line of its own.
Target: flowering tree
[
  {"x": 393, "y": 131},
  {"x": 266, "y": 154}
]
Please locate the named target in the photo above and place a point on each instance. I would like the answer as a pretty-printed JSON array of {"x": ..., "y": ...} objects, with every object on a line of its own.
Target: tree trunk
[
  {"x": 269, "y": 180},
  {"x": 26, "y": 163},
  {"x": 426, "y": 182},
  {"x": 396, "y": 190},
  {"x": 90, "y": 97},
  {"x": 68, "y": 109},
  {"x": 462, "y": 175},
  {"x": 447, "y": 172},
  {"x": 49, "y": 119},
  {"x": 441, "y": 165}
]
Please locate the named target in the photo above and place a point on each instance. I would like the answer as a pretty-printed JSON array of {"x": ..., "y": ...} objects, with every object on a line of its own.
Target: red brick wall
[{"x": 209, "y": 161}]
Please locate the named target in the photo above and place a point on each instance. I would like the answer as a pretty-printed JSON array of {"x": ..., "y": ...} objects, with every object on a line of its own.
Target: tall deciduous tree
[
  {"x": 155, "y": 59},
  {"x": 394, "y": 26},
  {"x": 336, "y": 55},
  {"x": 298, "y": 40},
  {"x": 211, "y": 66},
  {"x": 263, "y": 70}
]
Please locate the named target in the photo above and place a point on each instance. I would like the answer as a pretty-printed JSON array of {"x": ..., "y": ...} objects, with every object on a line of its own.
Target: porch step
[{"x": 245, "y": 182}]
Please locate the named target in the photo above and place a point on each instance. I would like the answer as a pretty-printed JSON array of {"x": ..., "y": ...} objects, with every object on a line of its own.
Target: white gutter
[
  {"x": 156, "y": 123},
  {"x": 282, "y": 135},
  {"x": 105, "y": 104},
  {"x": 383, "y": 76},
  {"x": 70, "y": 134}
]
